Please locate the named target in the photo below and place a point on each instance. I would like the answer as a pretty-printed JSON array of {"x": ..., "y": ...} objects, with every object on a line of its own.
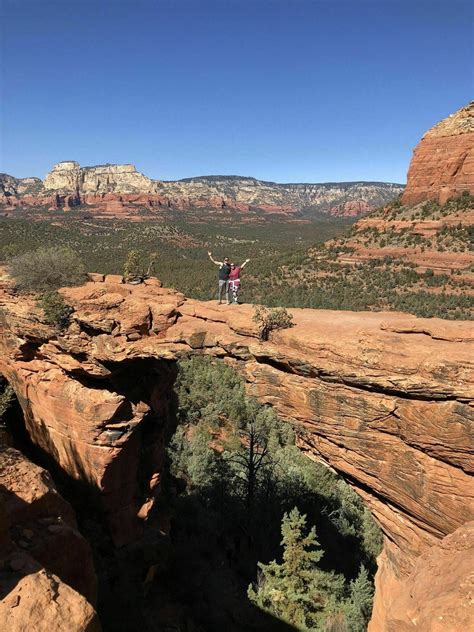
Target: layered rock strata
[
  {"x": 443, "y": 162},
  {"x": 69, "y": 177},
  {"x": 383, "y": 398},
  {"x": 344, "y": 199},
  {"x": 442, "y": 167},
  {"x": 436, "y": 596},
  {"x": 118, "y": 190}
]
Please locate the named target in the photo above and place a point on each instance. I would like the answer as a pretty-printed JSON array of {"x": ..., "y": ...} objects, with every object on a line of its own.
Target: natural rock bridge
[{"x": 383, "y": 398}]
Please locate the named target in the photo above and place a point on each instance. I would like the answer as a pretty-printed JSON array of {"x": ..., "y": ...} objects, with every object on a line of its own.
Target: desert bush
[
  {"x": 47, "y": 269},
  {"x": 133, "y": 266},
  {"x": 6, "y": 396},
  {"x": 271, "y": 319},
  {"x": 56, "y": 310},
  {"x": 8, "y": 251}
]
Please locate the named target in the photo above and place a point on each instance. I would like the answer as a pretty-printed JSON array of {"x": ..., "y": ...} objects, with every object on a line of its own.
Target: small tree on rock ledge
[
  {"x": 133, "y": 267},
  {"x": 271, "y": 319},
  {"x": 56, "y": 310}
]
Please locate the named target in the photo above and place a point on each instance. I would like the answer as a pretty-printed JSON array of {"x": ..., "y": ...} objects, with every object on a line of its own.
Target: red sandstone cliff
[
  {"x": 430, "y": 236},
  {"x": 47, "y": 579},
  {"x": 443, "y": 162},
  {"x": 384, "y": 398}
]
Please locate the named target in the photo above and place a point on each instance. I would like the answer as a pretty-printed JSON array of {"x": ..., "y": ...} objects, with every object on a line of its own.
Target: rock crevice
[{"x": 390, "y": 411}]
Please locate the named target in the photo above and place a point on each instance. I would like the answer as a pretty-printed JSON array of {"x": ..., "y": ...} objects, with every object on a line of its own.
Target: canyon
[
  {"x": 383, "y": 398},
  {"x": 120, "y": 191}
]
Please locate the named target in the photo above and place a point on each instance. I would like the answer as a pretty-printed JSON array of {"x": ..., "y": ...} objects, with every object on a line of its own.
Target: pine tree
[
  {"x": 359, "y": 605},
  {"x": 296, "y": 591}
]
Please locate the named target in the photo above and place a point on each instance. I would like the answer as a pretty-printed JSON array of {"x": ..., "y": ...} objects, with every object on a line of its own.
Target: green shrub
[
  {"x": 133, "y": 265},
  {"x": 6, "y": 396},
  {"x": 271, "y": 319},
  {"x": 47, "y": 269},
  {"x": 9, "y": 251},
  {"x": 56, "y": 311}
]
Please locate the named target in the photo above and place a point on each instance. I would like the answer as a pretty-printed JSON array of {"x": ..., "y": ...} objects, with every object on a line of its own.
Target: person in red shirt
[{"x": 234, "y": 280}]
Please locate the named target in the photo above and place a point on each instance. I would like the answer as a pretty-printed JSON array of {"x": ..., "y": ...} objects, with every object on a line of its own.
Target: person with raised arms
[
  {"x": 234, "y": 280},
  {"x": 224, "y": 272}
]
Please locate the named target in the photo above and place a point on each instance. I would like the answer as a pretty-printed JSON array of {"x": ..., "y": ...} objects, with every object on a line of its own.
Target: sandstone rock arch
[{"x": 384, "y": 398}]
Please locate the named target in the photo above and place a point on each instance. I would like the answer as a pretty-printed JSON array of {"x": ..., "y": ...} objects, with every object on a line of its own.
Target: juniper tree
[
  {"x": 296, "y": 591},
  {"x": 359, "y": 605}
]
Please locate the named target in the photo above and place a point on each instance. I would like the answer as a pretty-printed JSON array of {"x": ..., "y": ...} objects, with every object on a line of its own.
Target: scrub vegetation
[
  {"x": 257, "y": 523},
  {"x": 315, "y": 264}
]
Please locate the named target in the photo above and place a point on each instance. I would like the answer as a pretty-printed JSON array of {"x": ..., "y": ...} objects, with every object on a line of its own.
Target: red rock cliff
[
  {"x": 47, "y": 579},
  {"x": 384, "y": 398},
  {"x": 443, "y": 162}
]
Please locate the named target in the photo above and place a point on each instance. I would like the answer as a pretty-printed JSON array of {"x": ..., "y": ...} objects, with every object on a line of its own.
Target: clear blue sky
[{"x": 291, "y": 90}]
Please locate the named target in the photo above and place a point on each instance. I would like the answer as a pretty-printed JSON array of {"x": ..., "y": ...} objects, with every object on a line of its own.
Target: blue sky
[{"x": 290, "y": 91}]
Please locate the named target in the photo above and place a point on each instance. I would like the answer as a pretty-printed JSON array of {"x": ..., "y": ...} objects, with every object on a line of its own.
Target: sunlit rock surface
[
  {"x": 47, "y": 578},
  {"x": 443, "y": 161},
  {"x": 384, "y": 398}
]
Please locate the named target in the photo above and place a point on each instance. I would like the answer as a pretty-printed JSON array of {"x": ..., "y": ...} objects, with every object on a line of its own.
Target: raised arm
[
  {"x": 218, "y": 263},
  {"x": 245, "y": 263}
]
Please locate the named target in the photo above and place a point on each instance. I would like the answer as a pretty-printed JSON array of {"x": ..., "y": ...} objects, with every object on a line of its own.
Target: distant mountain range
[
  {"x": 121, "y": 191},
  {"x": 333, "y": 198}
]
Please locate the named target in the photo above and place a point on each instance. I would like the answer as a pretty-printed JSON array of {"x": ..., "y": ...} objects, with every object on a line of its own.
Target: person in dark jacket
[{"x": 224, "y": 272}]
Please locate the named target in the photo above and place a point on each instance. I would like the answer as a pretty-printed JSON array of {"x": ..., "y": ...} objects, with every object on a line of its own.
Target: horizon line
[{"x": 236, "y": 176}]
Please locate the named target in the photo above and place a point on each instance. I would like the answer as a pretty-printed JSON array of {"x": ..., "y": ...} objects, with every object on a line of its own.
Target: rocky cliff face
[
  {"x": 431, "y": 229},
  {"x": 11, "y": 187},
  {"x": 384, "y": 398},
  {"x": 443, "y": 162},
  {"x": 120, "y": 190},
  {"x": 342, "y": 199},
  {"x": 47, "y": 578},
  {"x": 70, "y": 177}
]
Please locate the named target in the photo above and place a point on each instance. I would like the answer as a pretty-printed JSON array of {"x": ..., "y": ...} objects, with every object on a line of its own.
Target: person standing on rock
[
  {"x": 224, "y": 272},
  {"x": 234, "y": 280}
]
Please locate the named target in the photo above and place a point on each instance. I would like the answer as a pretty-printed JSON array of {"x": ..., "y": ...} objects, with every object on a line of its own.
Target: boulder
[
  {"x": 113, "y": 278},
  {"x": 39, "y": 601},
  {"x": 45, "y": 563},
  {"x": 153, "y": 281}
]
